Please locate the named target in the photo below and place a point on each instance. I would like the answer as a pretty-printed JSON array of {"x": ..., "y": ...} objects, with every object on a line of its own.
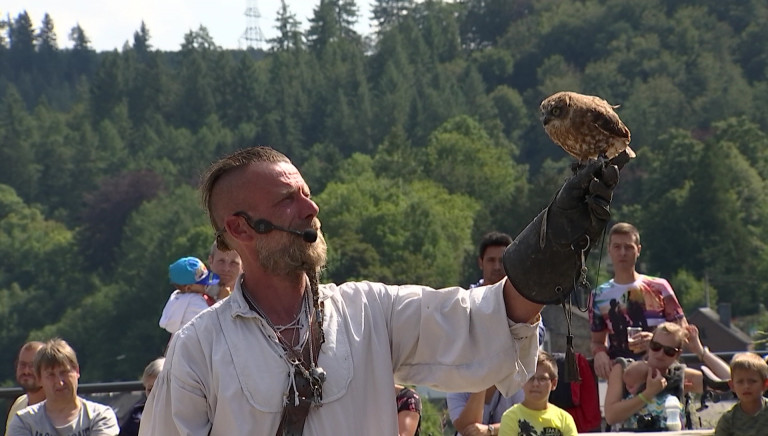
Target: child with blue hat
[{"x": 192, "y": 280}]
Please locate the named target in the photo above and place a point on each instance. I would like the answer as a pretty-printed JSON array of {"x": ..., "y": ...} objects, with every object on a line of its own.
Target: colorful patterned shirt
[{"x": 646, "y": 303}]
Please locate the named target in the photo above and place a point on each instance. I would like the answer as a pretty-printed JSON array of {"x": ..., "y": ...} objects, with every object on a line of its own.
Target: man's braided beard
[{"x": 289, "y": 254}]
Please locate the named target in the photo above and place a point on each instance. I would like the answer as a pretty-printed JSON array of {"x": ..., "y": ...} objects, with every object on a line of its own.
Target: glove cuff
[{"x": 541, "y": 270}]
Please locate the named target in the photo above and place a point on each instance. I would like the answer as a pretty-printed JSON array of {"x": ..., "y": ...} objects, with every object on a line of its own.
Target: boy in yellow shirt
[{"x": 535, "y": 415}]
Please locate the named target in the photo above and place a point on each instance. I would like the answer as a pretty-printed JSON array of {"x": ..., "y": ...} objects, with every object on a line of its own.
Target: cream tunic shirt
[{"x": 223, "y": 377}]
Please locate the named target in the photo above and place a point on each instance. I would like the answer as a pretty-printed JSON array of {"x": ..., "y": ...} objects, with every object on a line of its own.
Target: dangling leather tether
[{"x": 571, "y": 367}]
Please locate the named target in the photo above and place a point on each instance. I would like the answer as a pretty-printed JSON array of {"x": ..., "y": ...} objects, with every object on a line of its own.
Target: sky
[{"x": 109, "y": 24}]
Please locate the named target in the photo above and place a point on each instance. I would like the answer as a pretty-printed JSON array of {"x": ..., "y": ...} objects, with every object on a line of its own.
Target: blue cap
[{"x": 191, "y": 271}]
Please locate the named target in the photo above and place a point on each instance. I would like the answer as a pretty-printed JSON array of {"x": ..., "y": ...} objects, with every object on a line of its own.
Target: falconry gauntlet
[{"x": 546, "y": 260}]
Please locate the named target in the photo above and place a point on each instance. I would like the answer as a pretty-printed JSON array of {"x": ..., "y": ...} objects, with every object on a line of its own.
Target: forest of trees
[{"x": 415, "y": 141}]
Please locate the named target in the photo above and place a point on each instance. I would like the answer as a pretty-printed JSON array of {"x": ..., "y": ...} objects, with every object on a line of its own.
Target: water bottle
[{"x": 672, "y": 410}]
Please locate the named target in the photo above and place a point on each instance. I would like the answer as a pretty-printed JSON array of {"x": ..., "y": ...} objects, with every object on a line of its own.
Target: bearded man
[
  {"x": 285, "y": 355},
  {"x": 26, "y": 378}
]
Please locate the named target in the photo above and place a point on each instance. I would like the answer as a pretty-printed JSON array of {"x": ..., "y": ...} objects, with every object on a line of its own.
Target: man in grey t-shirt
[{"x": 63, "y": 412}]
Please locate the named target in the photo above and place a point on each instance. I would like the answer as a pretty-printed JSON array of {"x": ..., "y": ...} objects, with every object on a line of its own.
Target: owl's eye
[{"x": 556, "y": 111}]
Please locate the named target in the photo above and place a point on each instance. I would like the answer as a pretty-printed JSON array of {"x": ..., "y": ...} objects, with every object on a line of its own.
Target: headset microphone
[{"x": 263, "y": 226}]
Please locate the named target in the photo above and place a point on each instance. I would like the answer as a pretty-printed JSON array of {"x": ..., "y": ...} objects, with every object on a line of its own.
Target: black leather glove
[{"x": 545, "y": 261}]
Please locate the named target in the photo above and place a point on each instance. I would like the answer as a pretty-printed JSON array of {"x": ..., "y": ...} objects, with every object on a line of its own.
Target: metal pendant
[
  {"x": 317, "y": 377},
  {"x": 317, "y": 374}
]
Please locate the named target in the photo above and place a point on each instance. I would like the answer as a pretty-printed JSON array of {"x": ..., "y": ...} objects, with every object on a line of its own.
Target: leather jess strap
[{"x": 294, "y": 416}]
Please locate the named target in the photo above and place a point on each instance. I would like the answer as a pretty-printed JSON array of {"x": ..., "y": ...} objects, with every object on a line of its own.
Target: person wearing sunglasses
[{"x": 666, "y": 376}]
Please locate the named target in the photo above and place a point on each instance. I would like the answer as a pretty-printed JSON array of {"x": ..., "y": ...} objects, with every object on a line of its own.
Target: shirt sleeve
[
  {"x": 157, "y": 419},
  {"x": 16, "y": 427},
  {"x": 104, "y": 422},
  {"x": 456, "y": 402},
  {"x": 173, "y": 312},
  {"x": 672, "y": 309},
  {"x": 15, "y": 407},
  {"x": 464, "y": 340},
  {"x": 569, "y": 425},
  {"x": 189, "y": 408},
  {"x": 596, "y": 321}
]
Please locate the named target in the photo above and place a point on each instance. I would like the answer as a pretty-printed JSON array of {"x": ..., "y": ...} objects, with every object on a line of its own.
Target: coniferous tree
[
  {"x": 108, "y": 86},
  {"x": 4, "y": 24},
  {"x": 242, "y": 95},
  {"x": 196, "y": 100},
  {"x": 141, "y": 43},
  {"x": 17, "y": 136},
  {"x": 21, "y": 36},
  {"x": 80, "y": 41},
  {"x": 485, "y": 21},
  {"x": 46, "y": 37},
  {"x": 389, "y": 13},
  {"x": 332, "y": 21},
  {"x": 392, "y": 84},
  {"x": 289, "y": 31},
  {"x": 82, "y": 59},
  {"x": 47, "y": 59}
]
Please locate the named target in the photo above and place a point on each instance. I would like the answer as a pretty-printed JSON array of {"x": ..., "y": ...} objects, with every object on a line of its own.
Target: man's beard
[
  {"x": 29, "y": 386},
  {"x": 289, "y": 254}
]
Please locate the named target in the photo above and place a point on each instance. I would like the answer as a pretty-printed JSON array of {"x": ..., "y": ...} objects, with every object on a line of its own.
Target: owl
[{"x": 585, "y": 126}]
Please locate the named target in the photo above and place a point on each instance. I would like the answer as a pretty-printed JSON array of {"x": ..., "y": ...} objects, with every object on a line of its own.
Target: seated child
[
  {"x": 535, "y": 415},
  {"x": 634, "y": 376},
  {"x": 191, "y": 278},
  {"x": 749, "y": 379}
]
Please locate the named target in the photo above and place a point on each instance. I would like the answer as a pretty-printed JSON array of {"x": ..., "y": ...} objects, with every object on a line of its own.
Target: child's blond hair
[{"x": 749, "y": 362}]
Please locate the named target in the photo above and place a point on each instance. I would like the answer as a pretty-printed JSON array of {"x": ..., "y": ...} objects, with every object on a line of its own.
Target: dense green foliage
[{"x": 415, "y": 141}]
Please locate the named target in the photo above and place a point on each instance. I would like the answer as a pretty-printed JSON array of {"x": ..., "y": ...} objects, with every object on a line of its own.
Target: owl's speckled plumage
[{"x": 585, "y": 126}]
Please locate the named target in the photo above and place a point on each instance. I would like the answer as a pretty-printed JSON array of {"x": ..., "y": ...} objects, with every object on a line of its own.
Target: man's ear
[
  {"x": 238, "y": 229},
  {"x": 554, "y": 384},
  {"x": 730, "y": 383},
  {"x": 480, "y": 263}
]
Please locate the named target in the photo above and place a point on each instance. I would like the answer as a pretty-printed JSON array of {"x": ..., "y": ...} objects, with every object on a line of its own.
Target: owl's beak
[{"x": 545, "y": 118}]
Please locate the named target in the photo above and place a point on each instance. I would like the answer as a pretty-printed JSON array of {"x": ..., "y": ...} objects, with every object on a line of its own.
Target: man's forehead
[
  {"x": 57, "y": 367},
  {"x": 225, "y": 255},
  {"x": 494, "y": 251},
  {"x": 258, "y": 178},
  {"x": 622, "y": 238},
  {"x": 271, "y": 176},
  {"x": 289, "y": 177},
  {"x": 28, "y": 354}
]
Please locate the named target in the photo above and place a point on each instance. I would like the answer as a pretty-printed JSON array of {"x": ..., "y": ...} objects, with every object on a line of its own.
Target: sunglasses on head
[{"x": 669, "y": 351}]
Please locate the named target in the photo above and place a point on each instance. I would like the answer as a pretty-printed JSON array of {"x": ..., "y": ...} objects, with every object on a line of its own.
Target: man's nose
[{"x": 310, "y": 208}]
